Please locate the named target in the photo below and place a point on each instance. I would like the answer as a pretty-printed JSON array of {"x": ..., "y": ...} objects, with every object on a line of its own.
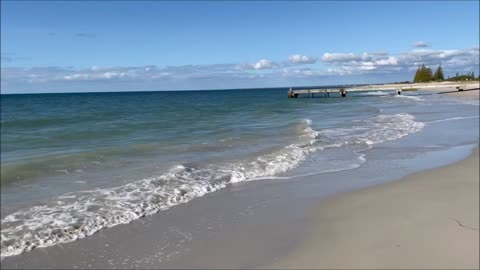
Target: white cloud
[
  {"x": 301, "y": 59},
  {"x": 382, "y": 62},
  {"x": 259, "y": 65},
  {"x": 110, "y": 75},
  {"x": 76, "y": 76},
  {"x": 391, "y": 60},
  {"x": 374, "y": 56},
  {"x": 263, "y": 64},
  {"x": 339, "y": 57},
  {"x": 93, "y": 74},
  {"x": 351, "y": 57},
  {"x": 421, "y": 44},
  {"x": 448, "y": 58}
]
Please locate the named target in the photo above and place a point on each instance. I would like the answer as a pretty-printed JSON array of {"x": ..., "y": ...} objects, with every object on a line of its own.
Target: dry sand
[{"x": 426, "y": 220}]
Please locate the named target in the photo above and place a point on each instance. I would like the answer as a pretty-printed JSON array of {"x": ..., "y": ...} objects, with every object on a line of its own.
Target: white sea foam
[
  {"x": 79, "y": 214},
  {"x": 375, "y": 130},
  {"x": 409, "y": 97},
  {"x": 377, "y": 93},
  {"x": 345, "y": 167}
]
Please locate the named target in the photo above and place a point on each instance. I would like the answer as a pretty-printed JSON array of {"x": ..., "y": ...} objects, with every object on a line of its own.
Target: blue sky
[{"x": 135, "y": 45}]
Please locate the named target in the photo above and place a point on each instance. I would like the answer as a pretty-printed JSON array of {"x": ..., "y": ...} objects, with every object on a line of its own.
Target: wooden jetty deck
[
  {"x": 371, "y": 88},
  {"x": 326, "y": 92}
]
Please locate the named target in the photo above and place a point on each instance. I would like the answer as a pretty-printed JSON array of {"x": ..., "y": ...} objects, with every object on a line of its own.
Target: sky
[{"x": 85, "y": 46}]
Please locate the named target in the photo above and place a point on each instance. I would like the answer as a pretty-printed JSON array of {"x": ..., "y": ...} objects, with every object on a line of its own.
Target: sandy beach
[
  {"x": 426, "y": 220},
  {"x": 471, "y": 91}
]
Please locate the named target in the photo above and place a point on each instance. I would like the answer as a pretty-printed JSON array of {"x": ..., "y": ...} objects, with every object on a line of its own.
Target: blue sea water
[{"x": 72, "y": 164}]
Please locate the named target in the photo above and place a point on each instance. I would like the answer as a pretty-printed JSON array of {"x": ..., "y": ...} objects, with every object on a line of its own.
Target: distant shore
[
  {"x": 432, "y": 85},
  {"x": 445, "y": 86},
  {"x": 471, "y": 90}
]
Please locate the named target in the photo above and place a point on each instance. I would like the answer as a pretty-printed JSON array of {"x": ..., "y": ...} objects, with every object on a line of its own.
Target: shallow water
[{"x": 73, "y": 164}]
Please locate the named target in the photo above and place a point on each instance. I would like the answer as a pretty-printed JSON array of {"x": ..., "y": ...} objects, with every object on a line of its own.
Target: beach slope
[{"x": 426, "y": 220}]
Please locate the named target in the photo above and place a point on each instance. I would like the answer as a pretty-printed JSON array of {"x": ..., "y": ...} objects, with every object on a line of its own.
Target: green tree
[
  {"x": 423, "y": 74},
  {"x": 428, "y": 74},
  {"x": 416, "y": 78},
  {"x": 438, "y": 76}
]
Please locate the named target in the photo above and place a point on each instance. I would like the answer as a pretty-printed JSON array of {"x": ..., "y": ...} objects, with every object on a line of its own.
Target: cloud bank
[
  {"x": 301, "y": 59},
  {"x": 382, "y": 62},
  {"x": 296, "y": 69}
]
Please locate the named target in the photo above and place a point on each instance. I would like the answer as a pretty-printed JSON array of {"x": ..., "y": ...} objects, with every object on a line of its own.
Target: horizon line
[{"x": 192, "y": 90}]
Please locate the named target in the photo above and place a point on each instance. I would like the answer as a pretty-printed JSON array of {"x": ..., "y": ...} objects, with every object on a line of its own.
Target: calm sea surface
[{"x": 72, "y": 164}]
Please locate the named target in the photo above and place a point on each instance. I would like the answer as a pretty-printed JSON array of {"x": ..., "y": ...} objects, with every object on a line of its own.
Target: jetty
[{"x": 343, "y": 92}]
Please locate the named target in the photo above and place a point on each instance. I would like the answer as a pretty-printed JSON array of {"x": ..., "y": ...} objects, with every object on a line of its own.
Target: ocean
[{"x": 74, "y": 164}]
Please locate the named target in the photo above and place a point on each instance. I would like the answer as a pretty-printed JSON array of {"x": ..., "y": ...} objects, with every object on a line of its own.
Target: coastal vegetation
[
  {"x": 425, "y": 74},
  {"x": 463, "y": 77}
]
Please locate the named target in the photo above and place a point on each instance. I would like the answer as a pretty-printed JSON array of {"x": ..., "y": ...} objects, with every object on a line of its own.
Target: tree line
[{"x": 425, "y": 74}]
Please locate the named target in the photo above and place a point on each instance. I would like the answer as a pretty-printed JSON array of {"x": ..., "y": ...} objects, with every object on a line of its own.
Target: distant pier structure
[{"x": 342, "y": 92}]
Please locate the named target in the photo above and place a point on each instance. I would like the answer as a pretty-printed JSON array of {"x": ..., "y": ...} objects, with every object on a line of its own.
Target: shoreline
[
  {"x": 429, "y": 219},
  {"x": 471, "y": 91}
]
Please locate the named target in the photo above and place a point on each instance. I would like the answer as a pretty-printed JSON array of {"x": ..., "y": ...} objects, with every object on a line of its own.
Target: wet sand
[{"x": 426, "y": 220}]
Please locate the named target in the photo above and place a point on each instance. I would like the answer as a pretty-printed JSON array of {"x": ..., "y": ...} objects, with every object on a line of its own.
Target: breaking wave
[
  {"x": 76, "y": 215},
  {"x": 377, "y": 93}
]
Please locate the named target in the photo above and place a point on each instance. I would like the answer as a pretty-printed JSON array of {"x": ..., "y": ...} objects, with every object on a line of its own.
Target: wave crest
[{"x": 79, "y": 214}]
